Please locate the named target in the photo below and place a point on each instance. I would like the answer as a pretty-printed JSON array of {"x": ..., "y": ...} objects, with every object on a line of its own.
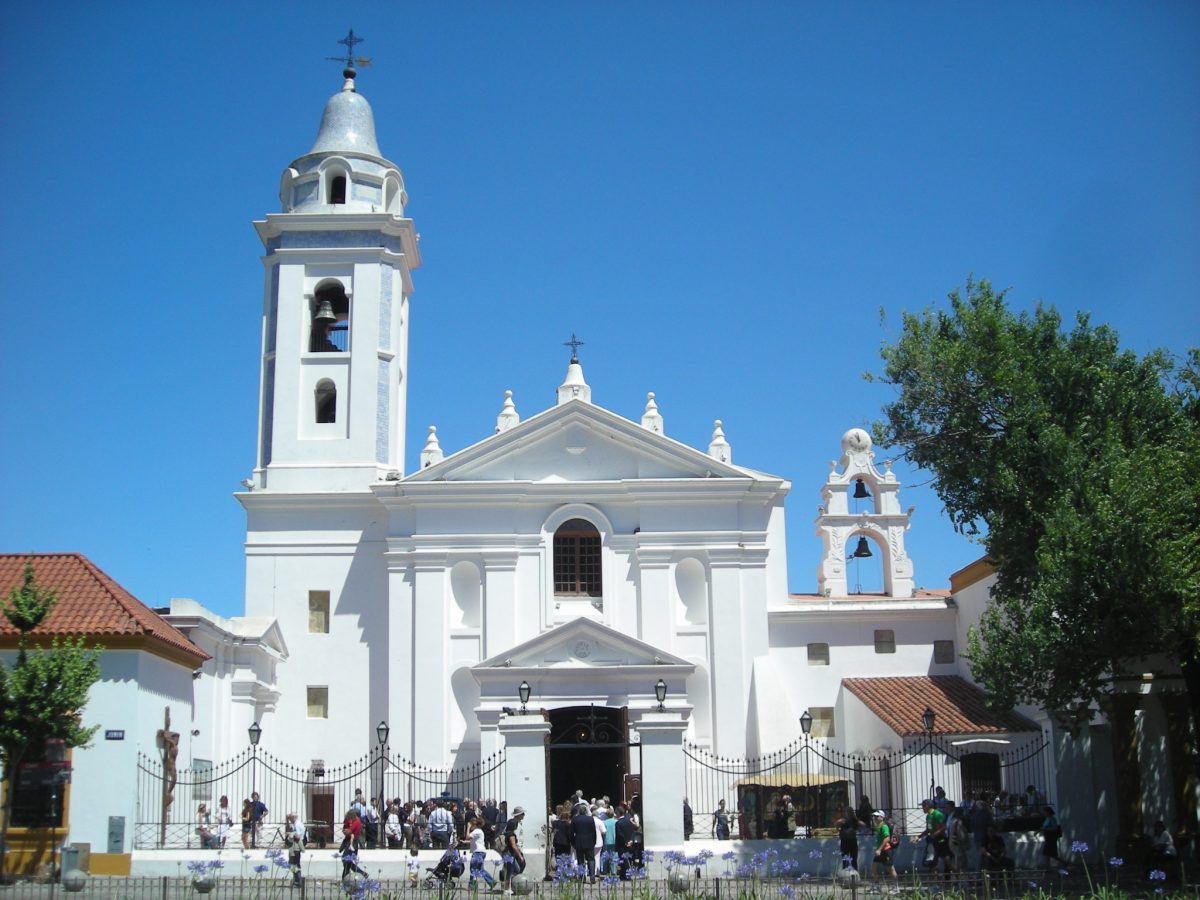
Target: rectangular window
[
  {"x": 943, "y": 651},
  {"x": 202, "y": 771},
  {"x": 318, "y": 612},
  {"x": 318, "y": 702},
  {"x": 818, "y": 654},
  {"x": 885, "y": 640},
  {"x": 822, "y": 725}
]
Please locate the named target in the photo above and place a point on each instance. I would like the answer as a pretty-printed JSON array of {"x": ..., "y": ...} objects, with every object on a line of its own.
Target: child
[{"x": 414, "y": 866}]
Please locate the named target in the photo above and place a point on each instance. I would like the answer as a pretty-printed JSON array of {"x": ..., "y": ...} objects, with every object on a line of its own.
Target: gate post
[
  {"x": 664, "y": 783},
  {"x": 525, "y": 779}
]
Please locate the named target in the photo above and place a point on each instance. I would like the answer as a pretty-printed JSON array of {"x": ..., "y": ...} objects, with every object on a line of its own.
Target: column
[
  {"x": 401, "y": 680},
  {"x": 663, "y": 781}
]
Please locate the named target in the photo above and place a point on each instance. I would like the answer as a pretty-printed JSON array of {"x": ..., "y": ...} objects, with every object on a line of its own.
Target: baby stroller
[{"x": 449, "y": 868}]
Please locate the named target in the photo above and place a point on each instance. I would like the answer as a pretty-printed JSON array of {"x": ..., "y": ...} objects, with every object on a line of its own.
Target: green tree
[
  {"x": 1075, "y": 464},
  {"x": 42, "y": 695}
]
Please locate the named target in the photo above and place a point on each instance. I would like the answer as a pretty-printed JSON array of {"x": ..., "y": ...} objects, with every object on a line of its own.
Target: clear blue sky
[{"x": 719, "y": 198}]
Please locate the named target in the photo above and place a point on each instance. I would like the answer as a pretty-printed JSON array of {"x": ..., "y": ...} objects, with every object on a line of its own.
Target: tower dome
[{"x": 347, "y": 124}]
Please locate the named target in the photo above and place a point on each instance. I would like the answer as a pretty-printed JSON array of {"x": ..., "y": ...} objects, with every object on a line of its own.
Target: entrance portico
[{"x": 594, "y": 688}]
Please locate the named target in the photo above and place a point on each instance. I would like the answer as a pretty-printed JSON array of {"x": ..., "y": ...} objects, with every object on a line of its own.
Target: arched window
[
  {"x": 326, "y": 401},
  {"x": 577, "y": 560},
  {"x": 337, "y": 189}
]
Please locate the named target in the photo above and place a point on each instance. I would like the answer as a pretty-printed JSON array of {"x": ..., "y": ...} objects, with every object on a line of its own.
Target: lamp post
[
  {"x": 927, "y": 719},
  {"x": 382, "y": 731},
  {"x": 255, "y": 732},
  {"x": 523, "y": 692},
  {"x": 660, "y": 692},
  {"x": 806, "y": 721}
]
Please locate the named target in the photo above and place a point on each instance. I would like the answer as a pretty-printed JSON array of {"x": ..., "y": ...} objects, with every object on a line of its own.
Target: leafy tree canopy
[{"x": 1075, "y": 464}]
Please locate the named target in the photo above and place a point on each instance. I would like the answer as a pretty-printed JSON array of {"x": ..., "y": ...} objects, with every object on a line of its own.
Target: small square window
[
  {"x": 822, "y": 726},
  {"x": 318, "y": 612},
  {"x": 818, "y": 654},
  {"x": 885, "y": 640},
  {"x": 943, "y": 652},
  {"x": 318, "y": 702}
]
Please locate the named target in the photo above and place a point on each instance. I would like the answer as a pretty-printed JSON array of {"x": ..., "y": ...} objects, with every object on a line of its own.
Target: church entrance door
[{"x": 589, "y": 751}]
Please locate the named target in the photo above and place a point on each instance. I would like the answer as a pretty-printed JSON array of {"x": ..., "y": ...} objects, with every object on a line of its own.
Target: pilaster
[{"x": 663, "y": 780}]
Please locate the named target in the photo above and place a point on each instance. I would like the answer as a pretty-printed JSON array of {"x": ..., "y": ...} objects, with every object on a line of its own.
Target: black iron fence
[
  {"x": 169, "y": 802},
  {"x": 806, "y": 786}
]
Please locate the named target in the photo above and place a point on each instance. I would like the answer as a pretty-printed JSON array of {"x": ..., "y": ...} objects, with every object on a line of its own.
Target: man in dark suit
[
  {"x": 626, "y": 838},
  {"x": 583, "y": 839}
]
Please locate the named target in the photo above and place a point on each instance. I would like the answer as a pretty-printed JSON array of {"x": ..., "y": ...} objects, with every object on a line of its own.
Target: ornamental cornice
[
  {"x": 276, "y": 224},
  {"x": 738, "y": 557},
  {"x": 681, "y": 491},
  {"x": 830, "y": 611},
  {"x": 653, "y": 557}
]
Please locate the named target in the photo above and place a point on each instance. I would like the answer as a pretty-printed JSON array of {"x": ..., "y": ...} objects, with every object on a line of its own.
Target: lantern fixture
[
  {"x": 523, "y": 692},
  {"x": 927, "y": 718},
  {"x": 806, "y": 721},
  {"x": 382, "y": 731},
  {"x": 660, "y": 692},
  {"x": 255, "y": 731}
]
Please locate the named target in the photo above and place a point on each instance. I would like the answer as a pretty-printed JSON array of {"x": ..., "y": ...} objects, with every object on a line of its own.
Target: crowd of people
[{"x": 596, "y": 838}]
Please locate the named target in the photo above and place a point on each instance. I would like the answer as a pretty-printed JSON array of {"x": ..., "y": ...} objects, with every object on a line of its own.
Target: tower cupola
[{"x": 345, "y": 171}]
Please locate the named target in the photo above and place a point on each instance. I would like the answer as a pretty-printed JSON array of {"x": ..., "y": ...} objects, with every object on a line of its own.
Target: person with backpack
[
  {"x": 885, "y": 844},
  {"x": 847, "y": 827},
  {"x": 959, "y": 837},
  {"x": 514, "y": 859}
]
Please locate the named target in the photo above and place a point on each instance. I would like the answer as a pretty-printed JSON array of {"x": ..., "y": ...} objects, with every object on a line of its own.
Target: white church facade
[{"x": 584, "y": 554}]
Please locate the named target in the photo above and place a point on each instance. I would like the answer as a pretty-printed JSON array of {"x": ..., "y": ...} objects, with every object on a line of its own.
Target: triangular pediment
[
  {"x": 578, "y": 442},
  {"x": 582, "y": 643}
]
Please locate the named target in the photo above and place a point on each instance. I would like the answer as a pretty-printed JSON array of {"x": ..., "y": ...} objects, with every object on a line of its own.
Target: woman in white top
[
  {"x": 478, "y": 853},
  {"x": 395, "y": 832}
]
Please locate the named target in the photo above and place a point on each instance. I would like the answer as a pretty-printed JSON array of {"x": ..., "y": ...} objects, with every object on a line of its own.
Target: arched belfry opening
[
  {"x": 588, "y": 750},
  {"x": 330, "y": 331}
]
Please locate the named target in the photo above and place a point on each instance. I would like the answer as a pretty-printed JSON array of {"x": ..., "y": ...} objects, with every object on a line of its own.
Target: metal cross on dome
[
  {"x": 349, "y": 61},
  {"x": 574, "y": 343}
]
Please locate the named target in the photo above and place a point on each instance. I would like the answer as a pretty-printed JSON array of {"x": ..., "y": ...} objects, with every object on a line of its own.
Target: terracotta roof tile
[
  {"x": 959, "y": 705},
  {"x": 89, "y": 601}
]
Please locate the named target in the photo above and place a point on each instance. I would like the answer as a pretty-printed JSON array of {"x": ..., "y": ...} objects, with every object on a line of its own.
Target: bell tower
[
  {"x": 880, "y": 524},
  {"x": 338, "y": 262}
]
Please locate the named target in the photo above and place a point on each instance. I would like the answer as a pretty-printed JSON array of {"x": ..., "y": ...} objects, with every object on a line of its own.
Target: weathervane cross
[
  {"x": 349, "y": 40},
  {"x": 574, "y": 343}
]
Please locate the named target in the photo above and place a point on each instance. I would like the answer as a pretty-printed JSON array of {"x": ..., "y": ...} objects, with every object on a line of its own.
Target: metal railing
[
  {"x": 318, "y": 796},
  {"x": 806, "y": 786}
]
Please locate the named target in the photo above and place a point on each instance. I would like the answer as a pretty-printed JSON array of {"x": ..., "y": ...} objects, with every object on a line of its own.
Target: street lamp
[
  {"x": 255, "y": 732},
  {"x": 806, "y": 721},
  {"x": 382, "y": 731},
  {"x": 660, "y": 691},
  {"x": 523, "y": 692},
  {"x": 927, "y": 719}
]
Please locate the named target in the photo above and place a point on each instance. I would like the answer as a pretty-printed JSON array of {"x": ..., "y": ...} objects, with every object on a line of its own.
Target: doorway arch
[{"x": 588, "y": 751}]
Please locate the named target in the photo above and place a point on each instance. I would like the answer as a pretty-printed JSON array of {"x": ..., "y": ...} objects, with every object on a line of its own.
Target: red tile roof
[
  {"x": 89, "y": 603},
  {"x": 958, "y": 705}
]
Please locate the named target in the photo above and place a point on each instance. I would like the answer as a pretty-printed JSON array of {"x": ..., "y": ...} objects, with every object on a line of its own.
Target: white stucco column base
[
  {"x": 663, "y": 784},
  {"x": 525, "y": 781}
]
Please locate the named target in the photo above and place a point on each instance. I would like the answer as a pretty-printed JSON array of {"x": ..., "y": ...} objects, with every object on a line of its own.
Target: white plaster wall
[
  {"x": 333, "y": 546},
  {"x": 852, "y": 653}
]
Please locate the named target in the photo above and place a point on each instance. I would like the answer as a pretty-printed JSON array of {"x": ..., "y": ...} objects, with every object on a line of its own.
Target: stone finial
[
  {"x": 508, "y": 414},
  {"x": 574, "y": 387},
  {"x": 431, "y": 453},
  {"x": 652, "y": 419},
  {"x": 719, "y": 448}
]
